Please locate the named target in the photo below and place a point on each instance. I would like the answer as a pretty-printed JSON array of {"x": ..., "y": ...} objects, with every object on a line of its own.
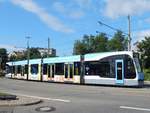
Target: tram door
[
  {"x": 51, "y": 71},
  {"x": 22, "y": 70},
  {"x": 69, "y": 71},
  {"x": 119, "y": 71}
]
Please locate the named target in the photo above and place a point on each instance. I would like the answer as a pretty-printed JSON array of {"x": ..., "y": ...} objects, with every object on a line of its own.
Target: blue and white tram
[
  {"x": 107, "y": 68},
  {"x": 119, "y": 68}
]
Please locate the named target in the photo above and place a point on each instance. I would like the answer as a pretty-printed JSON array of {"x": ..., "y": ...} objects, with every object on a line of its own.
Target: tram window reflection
[
  {"x": 34, "y": 69},
  {"x": 59, "y": 69}
]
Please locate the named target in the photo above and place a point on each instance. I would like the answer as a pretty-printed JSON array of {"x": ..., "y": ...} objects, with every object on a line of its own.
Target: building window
[
  {"x": 34, "y": 69},
  {"x": 59, "y": 67}
]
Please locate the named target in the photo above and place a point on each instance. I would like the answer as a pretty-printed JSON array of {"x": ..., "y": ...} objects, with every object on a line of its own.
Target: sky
[{"x": 65, "y": 21}]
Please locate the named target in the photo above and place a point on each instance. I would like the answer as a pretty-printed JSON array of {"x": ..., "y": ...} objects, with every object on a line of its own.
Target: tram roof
[
  {"x": 98, "y": 56},
  {"x": 75, "y": 58},
  {"x": 23, "y": 62}
]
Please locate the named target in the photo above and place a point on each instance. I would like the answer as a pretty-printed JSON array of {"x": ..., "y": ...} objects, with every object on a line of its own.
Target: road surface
[{"x": 68, "y": 98}]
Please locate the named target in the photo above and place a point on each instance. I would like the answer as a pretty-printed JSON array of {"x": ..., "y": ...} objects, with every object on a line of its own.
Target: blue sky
[{"x": 65, "y": 21}]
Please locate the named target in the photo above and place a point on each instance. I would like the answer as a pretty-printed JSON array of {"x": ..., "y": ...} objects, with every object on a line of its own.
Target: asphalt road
[{"x": 68, "y": 98}]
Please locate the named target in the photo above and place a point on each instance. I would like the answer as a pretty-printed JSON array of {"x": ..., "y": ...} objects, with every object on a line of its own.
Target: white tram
[{"x": 107, "y": 68}]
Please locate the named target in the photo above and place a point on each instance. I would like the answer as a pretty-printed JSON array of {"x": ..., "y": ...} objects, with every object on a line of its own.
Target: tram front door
[{"x": 119, "y": 70}]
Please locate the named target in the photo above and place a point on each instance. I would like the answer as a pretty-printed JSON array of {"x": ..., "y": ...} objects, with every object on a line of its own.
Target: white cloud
[
  {"x": 83, "y": 3},
  {"x": 50, "y": 20},
  {"x": 147, "y": 20},
  {"x": 76, "y": 14},
  {"x": 59, "y": 6},
  {"x": 67, "y": 10},
  {"x": 116, "y": 8},
  {"x": 11, "y": 47},
  {"x": 140, "y": 35}
]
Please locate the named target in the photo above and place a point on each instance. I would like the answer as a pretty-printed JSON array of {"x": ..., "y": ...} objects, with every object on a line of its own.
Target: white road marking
[
  {"x": 43, "y": 98},
  {"x": 135, "y": 108}
]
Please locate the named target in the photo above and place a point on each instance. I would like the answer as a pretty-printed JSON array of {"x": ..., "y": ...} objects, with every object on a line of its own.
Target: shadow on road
[{"x": 6, "y": 109}]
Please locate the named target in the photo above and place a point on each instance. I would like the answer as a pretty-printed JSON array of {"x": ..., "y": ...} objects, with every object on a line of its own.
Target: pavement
[
  {"x": 20, "y": 101},
  {"x": 69, "y": 98},
  {"x": 147, "y": 83}
]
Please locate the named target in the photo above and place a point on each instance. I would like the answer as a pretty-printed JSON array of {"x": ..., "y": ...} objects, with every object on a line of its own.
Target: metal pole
[
  {"x": 0, "y": 64},
  {"x": 82, "y": 70},
  {"x": 28, "y": 56},
  {"x": 48, "y": 47},
  {"x": 129, "y": 34}
]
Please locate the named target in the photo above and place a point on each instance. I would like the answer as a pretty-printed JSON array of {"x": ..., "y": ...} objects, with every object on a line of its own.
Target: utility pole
[
  {"x": 28, "y": 55},
  {"x": 129, "y": 34},
  {"x": 110, "y": 27},
  {"x": 0, "y": 64},
  {"x": 48, "y": 52}
]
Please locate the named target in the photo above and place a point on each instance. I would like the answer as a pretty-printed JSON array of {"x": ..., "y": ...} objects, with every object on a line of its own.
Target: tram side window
[
  {"x": 26, "y": 69},
  {"x": 105, "y": 70},
  {"x": 130, "y": 69},
  {"x": 59, "y": 67},
  {"x": 18, "y": 69},
  {"x": 92, "y": 68},
  {"x": 34, "y": 69},
  {"x": 8, "y": 69},
  {"x": 44, "y": 69},
  {"x": 13, "y": 69},
  {"x": 77, "y": 68},
  {"x": 98, "y": 68}
]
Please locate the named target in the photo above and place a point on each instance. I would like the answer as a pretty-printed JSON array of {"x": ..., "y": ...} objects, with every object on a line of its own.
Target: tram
[{"x": 107, "y": 68}]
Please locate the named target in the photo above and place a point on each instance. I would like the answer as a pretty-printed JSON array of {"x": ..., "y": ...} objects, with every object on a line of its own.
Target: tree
[
  {"x": 144, "y": 49},
  {"x": 3, "y": 58},
  {"x": 34, "y": 53},
  {"x": 101, "y": 43},
  {"x": 91, "y": 44},
  {"x": 79, "y": 48},
  {"x": 118, "y": 42}
]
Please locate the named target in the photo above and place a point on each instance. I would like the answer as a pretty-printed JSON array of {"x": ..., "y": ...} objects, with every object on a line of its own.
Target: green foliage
[
  {"x": 91, "y": 44},
  {"x": 34, "y": 53},
  {"x": 100, "y": 43},
  {"x": 144, "y": 49},
  {"x": 3, "y": 58},
  {"x": 17, "y": 57},
  {"x": 146, "y": 74},
  {"x": 79, "y": 48},
  {"x": 118, "y": 42}
]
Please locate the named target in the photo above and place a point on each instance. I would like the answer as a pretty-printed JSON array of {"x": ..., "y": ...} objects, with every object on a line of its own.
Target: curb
[{"x": 22, "y": 101}]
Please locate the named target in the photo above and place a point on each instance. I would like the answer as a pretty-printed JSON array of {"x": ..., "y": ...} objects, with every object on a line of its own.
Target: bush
[
  {"x": 2, "y": 74},
  {"x": 147, "y": 74}
]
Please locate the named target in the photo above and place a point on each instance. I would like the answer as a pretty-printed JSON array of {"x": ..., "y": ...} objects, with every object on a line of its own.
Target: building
[{"x": 45, "y": 51}]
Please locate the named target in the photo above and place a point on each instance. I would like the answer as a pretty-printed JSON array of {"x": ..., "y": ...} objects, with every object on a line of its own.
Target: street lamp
[
  {"x": 28, "y": 55},
  {"x": 128, "y": 34},
  {"x": 104, "y": 33}
]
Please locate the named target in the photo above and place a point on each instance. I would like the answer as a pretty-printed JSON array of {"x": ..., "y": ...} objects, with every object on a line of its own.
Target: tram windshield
[{"x": 137, "y": 64}]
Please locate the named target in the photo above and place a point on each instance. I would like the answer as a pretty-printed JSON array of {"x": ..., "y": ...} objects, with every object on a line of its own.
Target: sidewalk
[
  {"x": 21, "y": 101},
  {"x": 147, "y": 83}
]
